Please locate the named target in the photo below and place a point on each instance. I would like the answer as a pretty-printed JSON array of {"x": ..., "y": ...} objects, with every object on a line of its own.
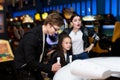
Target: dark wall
[{"x": 100, "y": 5}]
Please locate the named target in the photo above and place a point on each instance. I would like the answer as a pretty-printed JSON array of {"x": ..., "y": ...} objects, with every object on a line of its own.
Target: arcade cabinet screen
[
  {"x": 1, "y": 22},
  {"x": 108, "y": 30},
  {"x": 90, "y": 27}
]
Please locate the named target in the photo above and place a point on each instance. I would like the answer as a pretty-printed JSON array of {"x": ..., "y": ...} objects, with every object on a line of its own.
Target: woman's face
[
  {"x": 66, "y": 44},
  {"x": 76, "y": 22}
]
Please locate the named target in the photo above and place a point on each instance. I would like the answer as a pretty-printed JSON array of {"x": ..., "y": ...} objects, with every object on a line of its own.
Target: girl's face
[
  {"x": 66, "y": 44},
  {"x": 76, "y": 22}
]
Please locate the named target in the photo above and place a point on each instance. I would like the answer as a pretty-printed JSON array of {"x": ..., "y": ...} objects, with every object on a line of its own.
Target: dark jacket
[
  {"x": 86, "y": 34},
  {"x": 29, "y": 51},
  {"x": 53, "y": 60},
  {"x": 54, "y": 56}
]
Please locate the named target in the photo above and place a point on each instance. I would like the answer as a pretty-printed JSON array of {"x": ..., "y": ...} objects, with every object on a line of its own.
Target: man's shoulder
[
  {"x": 35, "y": 32},
  {"x": 36, "y": 29}
]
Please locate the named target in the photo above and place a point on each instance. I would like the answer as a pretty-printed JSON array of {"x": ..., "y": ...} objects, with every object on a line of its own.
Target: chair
[
  {"x": 97, "y": 48},
  {"x": 116, "y": 32},
  {"x": 115, "y": 47}
]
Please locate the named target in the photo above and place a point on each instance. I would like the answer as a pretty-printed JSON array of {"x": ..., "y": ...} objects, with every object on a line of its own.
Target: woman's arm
[{"x": 88, "y": 49}]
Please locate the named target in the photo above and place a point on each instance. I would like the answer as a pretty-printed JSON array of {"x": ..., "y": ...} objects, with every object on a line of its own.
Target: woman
[{"x": 80, "y": 38}]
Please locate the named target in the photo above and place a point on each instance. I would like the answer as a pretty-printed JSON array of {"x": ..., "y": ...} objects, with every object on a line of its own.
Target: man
[{"x": 29, "y": 54}]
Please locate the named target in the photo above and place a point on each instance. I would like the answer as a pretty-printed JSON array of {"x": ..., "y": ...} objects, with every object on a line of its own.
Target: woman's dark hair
[
  {"x": 73, "y": 15},
  {"x": 60, "y": 51}
]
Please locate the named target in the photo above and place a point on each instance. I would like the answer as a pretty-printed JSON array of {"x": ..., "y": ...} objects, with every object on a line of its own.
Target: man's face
[{"x": 53, "y": 29}]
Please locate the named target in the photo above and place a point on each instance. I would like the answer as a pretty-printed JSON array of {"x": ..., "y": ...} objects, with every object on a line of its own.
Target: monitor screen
[
  {"x": 1, "y": 22},
  {"x": 108, "y": 30},
  {"x": 90, "y": 26}
]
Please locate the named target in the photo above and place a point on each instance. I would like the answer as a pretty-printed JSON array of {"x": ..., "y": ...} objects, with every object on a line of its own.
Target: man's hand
[{"x": 56, "y": 67}]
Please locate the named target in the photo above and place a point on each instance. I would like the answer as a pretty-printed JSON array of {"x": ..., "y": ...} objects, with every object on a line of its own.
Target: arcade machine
[
  {"x": 107, "y": 31},
  {"x": 93, "y": 23},
  {"x": 15, "y": 31},
  {"x": 67, "y": 13},
  {"x": 27, "y": 22},
  {"x": 6, "y": 55}
]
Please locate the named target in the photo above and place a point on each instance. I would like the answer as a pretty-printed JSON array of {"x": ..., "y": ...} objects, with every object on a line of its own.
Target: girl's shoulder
[{"x": 54, "y": 54}]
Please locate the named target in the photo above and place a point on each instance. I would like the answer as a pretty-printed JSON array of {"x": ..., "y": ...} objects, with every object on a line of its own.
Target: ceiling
[
  {"x": 9, "y": 2},
  {"x": 12, "y": 2}
]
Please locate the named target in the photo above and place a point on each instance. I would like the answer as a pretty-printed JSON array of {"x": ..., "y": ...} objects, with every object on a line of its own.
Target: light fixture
[
  {"x": 89, "y": 18},
  {"x": 37, "y": 17},
  {"x": 27, "y": 19},
  {"x": 44, "y": 15}
]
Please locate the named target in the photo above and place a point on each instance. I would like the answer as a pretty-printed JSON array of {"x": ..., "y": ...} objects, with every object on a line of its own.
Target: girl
[{"x": 63, "y": 51}]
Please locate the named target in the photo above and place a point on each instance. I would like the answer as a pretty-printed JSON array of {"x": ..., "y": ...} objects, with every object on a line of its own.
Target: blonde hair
[{"x": 116, "y": 32}]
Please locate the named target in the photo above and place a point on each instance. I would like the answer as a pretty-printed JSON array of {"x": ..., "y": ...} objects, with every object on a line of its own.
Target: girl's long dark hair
[{"x": 60, "y": 48}]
